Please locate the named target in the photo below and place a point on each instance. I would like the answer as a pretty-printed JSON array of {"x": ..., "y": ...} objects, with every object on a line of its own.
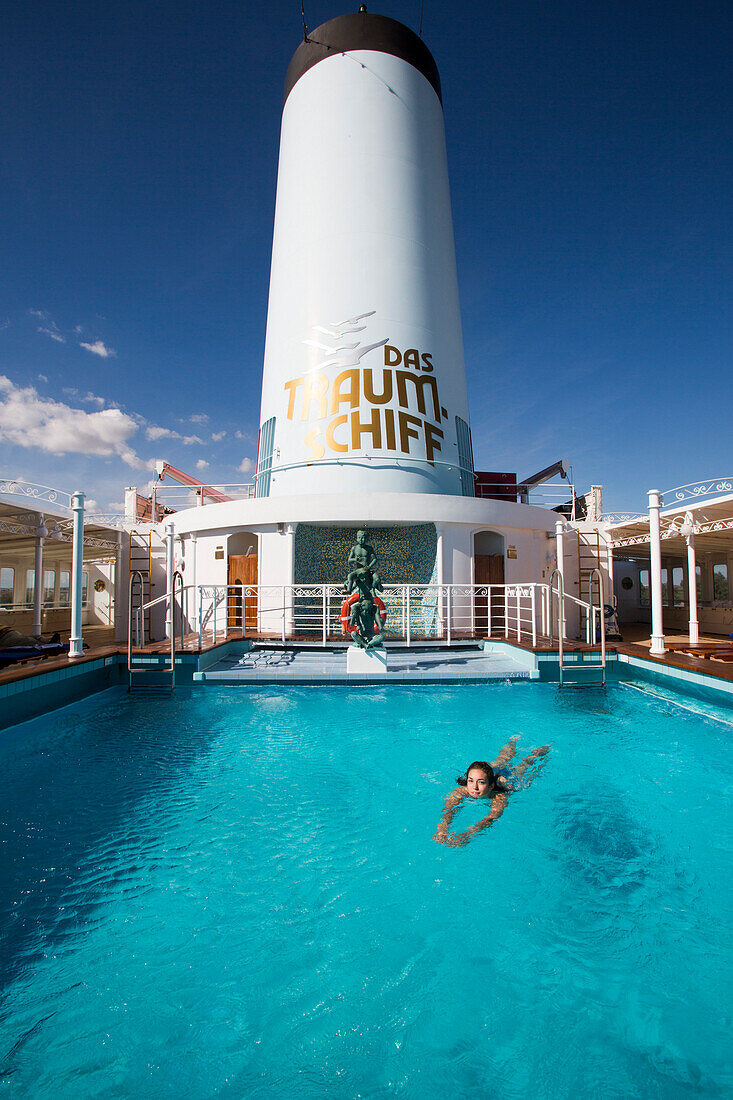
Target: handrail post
[
  {"x": 283, "y": 615},
  {"x": 488, "y": 610},
  {"x": 519, "y": 615},
  {"x": 506, "y": 611},
  {"x": 201, "y": 615},
  {"x": 324, "y": 613},
  {"x": 448, "y": 611},
  {"x": 533, "y": 600},
  {"x": 409, "y": 634}
]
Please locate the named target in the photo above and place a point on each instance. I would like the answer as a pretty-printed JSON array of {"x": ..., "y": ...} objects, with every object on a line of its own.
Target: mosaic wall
[{"x": 405, "y": 555}]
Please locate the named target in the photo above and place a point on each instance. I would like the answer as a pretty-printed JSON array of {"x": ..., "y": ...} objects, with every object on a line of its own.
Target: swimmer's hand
[
  {"x": 541, "y": 751},
  {"x": 451, "y": 841}
]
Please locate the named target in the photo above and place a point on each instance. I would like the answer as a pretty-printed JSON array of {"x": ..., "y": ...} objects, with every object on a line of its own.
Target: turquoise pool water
[{"x": 235, "y": 894}]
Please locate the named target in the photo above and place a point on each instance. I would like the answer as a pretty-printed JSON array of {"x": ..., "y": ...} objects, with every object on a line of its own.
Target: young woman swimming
[{"x": 484, "y": 780}]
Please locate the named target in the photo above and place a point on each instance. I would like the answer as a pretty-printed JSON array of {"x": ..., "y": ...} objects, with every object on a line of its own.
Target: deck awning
[{"x": 704, "y": 509}]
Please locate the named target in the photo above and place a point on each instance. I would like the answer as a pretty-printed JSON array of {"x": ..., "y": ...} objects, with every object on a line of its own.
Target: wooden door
[
  {"x": 242, "y": 571},
  {"x": 488, "y": 569}
]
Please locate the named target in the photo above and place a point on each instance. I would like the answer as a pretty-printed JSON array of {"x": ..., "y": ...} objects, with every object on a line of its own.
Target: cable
[
  {"x": 422, "y": 9},
  {"x": 302, "y": 14}
]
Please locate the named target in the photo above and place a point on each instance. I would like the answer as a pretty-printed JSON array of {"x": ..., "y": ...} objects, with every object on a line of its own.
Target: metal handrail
[
  {"x": 560, "y": 606},
  {"x": 602, "y": 617},
  {"x": 135, "y": 573}
]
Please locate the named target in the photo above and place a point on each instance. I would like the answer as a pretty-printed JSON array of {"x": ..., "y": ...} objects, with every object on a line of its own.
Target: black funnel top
[{"x": 361, "y": 31}]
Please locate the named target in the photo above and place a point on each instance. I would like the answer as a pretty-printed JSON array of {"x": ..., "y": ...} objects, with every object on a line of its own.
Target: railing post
[
  {"x": 324, "y": 613},
  {"x": 242, "y": 598},
  {"x": 76, "y": 642},
  {"x": 506, "y": 612},
  {"x": 519, "y": 615},
  {"x": 201, "y": 616},
  {"x": 409, "y": 641},
  {"x": 488, "y": 610},
  {"x": 448, "y": 612},
  {"x": 282, "y": 601},
  {"x": 533, "y": 599}
]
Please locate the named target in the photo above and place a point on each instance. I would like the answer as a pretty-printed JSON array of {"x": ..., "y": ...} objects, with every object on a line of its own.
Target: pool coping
[{"x": 38, "y": 691}]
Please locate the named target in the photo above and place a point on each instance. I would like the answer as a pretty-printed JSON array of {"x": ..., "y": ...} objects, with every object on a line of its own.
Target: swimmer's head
[{"x": 479, "y": 779}]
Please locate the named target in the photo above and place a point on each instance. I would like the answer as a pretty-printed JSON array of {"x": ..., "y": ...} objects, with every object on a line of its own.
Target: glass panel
[
  {"x": 264, "y": 470},
  {"x": 84, "y": 585},
  {"x": 665, "y": 588},
  {"x": 7, "y": 585},
  {"x": 49, "y": 586},
  {"x": 644, "y": 587},
  {"x": 30, "y": 583},
  {"x": 720, "y": 582},
  {"x": 678, "y": 586},
  {"x": 465, "y": 457},
  {"x": 64, "y": 588}
]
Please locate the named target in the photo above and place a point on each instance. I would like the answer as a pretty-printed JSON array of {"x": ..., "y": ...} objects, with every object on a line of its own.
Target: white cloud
[
  {"x": 154, "y": 432},
  {"x": 92, "y": 399},
  {"x": 42, "y": 378},
  {"x": 29, "y": 420},
  {"x": 78, "y": 330},
  {"x": 99, "y": 348},
  {"x": 240, "y": 435},
  {"x": 91, "y": 505},
  {"x": 217, "y": 437},
  {"x": 246, "y": 466},
  {"x": 198, "y": 418},
  {"x": 202, "y": 464},
  {"x": 191, "y": 439},
  {"x": 4, "y": 325},
  {"x": 55, "y": 335}
]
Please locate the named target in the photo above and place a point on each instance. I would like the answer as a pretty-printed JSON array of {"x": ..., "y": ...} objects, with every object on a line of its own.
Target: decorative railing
[
  {"x": 415, "y": 613},
  {"x": 41, "y": 493},
  {"x": 716, "y": 486}
]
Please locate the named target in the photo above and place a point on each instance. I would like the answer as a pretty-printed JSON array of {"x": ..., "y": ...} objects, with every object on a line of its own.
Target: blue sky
[{"x": 590, "y": 161}]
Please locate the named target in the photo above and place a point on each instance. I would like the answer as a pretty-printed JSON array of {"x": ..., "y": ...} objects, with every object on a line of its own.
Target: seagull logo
[{"x": 338, "y": 353}]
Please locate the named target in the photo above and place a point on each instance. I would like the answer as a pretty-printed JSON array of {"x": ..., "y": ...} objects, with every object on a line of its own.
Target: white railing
[{"x": 415, "y": 613}]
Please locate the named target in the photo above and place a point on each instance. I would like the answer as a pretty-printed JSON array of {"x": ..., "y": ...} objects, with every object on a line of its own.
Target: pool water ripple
[{"x": 236, "y": 894}]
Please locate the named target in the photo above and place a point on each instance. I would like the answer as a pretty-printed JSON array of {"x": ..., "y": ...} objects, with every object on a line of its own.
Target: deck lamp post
[
  {"x": 76, "y": 642},
  {"x": 687, "y": 530},
  {"x": 655, "y": 553}
]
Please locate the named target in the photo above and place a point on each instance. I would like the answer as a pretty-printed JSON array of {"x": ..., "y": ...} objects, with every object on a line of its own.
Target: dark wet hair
[{"x": 462, "y": 780}]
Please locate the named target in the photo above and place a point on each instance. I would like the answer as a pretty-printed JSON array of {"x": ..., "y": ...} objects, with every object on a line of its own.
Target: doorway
[
  {"x": 488, "y": 568},
  {"x": 242, "y": 597}
]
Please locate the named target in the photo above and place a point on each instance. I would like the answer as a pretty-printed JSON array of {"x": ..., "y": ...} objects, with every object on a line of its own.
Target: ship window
[
  {"x": 64, "y": 587},
  {"x": 49, "y": 586},
  {"x": 84, "y": 588},
  {"x": 465, "y": 457},
  {"x": 7, "y": 586},
  {"x": 678, "y": 586},
  {"x": 264, "y": 467},
  {"x": 644, "y": 587},
  {"x": 30, "y": 583},
  {"x": 665, "y": 588},
  {"x": 720, "y": 581}
]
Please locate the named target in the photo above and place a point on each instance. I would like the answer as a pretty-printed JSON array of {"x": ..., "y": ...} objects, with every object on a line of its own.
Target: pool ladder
[
  {"x": 576, "y": 666},
  {"x": 146, "y": 668}
]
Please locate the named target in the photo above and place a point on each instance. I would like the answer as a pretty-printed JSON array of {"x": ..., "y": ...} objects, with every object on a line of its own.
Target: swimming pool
[{"x": 235, "y": 894}]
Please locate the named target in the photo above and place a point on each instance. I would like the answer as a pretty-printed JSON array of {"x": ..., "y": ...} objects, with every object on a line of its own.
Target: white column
[
  {"x": 169, "y": 579},
  {"x": 38, "y": 578},
  {"x": 439, "y": 553},
  {"x": 655, "y": 580},
  {"x": 693, "y": 628},
  {"x": 76, "y": 642},
  {"x": 559, "y": 532}
]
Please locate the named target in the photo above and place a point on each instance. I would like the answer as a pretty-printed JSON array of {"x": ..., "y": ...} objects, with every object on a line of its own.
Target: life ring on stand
[{"x": 346, "y": 606}]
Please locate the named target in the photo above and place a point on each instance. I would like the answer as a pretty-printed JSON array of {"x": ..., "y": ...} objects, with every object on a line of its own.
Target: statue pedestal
[{"x": 373, "y": 662}]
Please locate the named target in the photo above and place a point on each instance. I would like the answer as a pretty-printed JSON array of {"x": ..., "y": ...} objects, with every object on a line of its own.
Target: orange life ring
[{"x": 346, "y": 606}]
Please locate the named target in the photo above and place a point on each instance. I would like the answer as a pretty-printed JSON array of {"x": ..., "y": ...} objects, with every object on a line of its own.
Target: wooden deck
[{"x": 100, "y": 646}]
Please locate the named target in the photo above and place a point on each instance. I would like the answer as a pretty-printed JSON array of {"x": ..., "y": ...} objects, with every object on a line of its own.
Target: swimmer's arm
[
  {"x": 509, "y": 750},
  {"x": 452, "y": 803},
  {"x": 534, "y": 755},
  {"x": 499, "y": 802}
]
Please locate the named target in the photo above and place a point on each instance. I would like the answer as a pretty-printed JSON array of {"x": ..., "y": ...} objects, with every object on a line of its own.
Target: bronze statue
[
  {"x": 366, "y": 619},
  {"x": 362, "y": 560},
  {"x": 369, "y": 632}
]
